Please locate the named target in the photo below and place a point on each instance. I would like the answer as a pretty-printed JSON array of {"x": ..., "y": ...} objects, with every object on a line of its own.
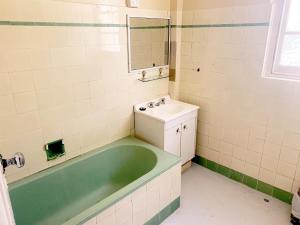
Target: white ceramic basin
[{"x": 172, "y": 109}]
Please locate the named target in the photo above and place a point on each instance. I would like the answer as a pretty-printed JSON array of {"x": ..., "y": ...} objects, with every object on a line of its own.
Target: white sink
[
  {"x": 168, "y": 124},
  {"x": 170, "y": 110}
]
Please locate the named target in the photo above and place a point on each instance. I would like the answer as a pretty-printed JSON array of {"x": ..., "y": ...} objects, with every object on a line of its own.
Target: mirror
[{"x": 148, "y": 42}]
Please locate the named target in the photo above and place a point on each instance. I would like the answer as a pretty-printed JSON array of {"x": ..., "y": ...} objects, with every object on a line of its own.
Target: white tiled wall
[
  {"x": 143, "y": 204},
  {"x": 67, "y": 82},
  {"x": 246, "y": 122}
]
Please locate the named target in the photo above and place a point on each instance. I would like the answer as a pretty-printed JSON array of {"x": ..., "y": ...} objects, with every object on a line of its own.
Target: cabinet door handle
[
  {"x": 177, "y": 131},
  {"x": 185, "y": 127}
]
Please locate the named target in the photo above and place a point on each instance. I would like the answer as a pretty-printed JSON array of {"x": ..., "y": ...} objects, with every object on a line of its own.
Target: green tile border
[
  {"x": 77, "y": 24},
  {"x": 163, "y": 214},
  {"x": 244, "y": 179},
  {"x": 263, "y": 24},
  {"x": 149, "y": 27},
  {"x": 58, "y": 24}
]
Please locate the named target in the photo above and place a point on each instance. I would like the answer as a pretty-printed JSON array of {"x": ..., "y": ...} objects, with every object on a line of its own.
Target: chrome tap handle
[
  {"x": 151, "y": 104},
  {"x": 18, "y": 160}
]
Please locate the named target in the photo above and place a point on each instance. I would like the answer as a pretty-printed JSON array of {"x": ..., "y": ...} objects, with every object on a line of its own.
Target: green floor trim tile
[
  {"x": 212, "y": 165},
  {"x": 265, "y": 188},
  {"x": 165, "y": 213},
  {"x": 244, "y": 179},
  {"x": 224, "y": 170},
  {"x": 175, "y": 204},
  {"x": 200, "y": 160},
  {"x": 282, "y": 195},
  {"x": 250, "y": 181},
  {"x": 154, "y": 220},
  {"x": 237, "y": 176}
]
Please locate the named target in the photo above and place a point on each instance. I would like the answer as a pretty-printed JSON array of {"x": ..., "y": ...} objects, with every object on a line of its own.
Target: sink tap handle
[
  {"x": 151, "y": 104},
  {"x": 163, "y": 101}
]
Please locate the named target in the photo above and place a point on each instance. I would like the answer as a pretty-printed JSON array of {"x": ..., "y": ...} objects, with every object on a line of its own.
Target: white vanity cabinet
[
  {"x": 181, "y": 139},
  {"x": 170, "y": 126}
]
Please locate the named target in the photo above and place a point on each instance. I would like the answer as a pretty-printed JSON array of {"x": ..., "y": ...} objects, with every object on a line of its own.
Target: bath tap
[{"x": 18, "y": 160}]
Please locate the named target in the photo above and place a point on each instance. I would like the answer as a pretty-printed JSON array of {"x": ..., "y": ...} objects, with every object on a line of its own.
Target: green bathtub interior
[{"x": 79, "y": 189}]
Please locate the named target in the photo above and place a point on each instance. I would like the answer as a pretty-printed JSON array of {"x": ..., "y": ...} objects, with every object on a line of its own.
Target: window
[{"x": 282, "y": 58}]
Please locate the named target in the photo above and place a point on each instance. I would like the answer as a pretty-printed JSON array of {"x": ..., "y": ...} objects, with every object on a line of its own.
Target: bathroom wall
[
  {"x": 175, "y": 57},
  {"x": 63, "y": 74},
  {"x": 246, "y": 122}
]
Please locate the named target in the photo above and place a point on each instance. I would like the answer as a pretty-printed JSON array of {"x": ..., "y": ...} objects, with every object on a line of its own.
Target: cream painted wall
[
  {"x": 67, "y": 82},
  {"x": 246, "y": 122}
]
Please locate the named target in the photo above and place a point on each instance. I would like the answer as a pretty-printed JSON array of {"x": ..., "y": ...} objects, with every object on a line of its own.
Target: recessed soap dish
[{"x": 55, "y": 149}]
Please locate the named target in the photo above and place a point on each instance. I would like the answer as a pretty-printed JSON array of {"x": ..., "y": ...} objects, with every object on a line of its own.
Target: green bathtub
[{"x": 79, "y": 189}]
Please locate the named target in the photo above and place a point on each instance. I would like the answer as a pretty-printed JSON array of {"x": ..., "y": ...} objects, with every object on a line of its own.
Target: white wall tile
[
  {"x": 284, "y": 183},
  {"x": 269, "y": 162},
  {"x": 292, "y": 140},
  {"x": 251, "y": 170},
  {"x": 253, "y": 158},
  {"x": 272, "y": 149},
  {"x": 255, "y": 144},
  {"x": 289, "y": 155},
  {"x": 25, "y": 102},
  {"x": 22, "y": 81},
  {"x": 286, "y": 169},
  {"x": 124, "y": 211},
  {"x": 5, "y": 84},
  {"x": 259, "y": 123},
  {"x": 7, "y": 105},
  {"x": 267, "y": 176},
  {"x": 47, "y": 75}
]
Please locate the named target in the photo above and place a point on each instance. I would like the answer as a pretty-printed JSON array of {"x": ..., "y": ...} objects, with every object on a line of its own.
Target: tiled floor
[{"x": 211, "y": 199}]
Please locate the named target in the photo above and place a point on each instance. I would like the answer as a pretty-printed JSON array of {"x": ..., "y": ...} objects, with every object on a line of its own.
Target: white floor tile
[{"x": 212, "y": 199}]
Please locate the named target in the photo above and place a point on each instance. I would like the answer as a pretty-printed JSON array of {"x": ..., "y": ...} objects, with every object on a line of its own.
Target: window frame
[{"x": 276, "y": 34}]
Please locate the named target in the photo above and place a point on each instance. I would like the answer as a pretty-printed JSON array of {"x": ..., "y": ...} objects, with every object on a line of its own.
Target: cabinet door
[
  {"x": 188, "y": 140},
  {"x": 172, "y": 140}
]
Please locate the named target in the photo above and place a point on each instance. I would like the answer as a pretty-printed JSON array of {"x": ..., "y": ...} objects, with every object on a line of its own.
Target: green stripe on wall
[
  {"x": 246, "y": 180},
  {"x": 149, "y": 27},
  {"x": 63, "y": 24},
  {"x": 58, "y": 24},
  {"x": 265, "y": 24}
]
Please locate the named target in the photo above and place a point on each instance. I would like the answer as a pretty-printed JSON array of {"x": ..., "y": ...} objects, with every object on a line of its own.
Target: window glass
[
  {"x": 290, "y": 53},
  {"x": 293, "y": 21}
]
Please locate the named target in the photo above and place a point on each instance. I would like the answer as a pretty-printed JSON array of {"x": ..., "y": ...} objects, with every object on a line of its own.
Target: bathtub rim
[
  {"x": 164, "y": 161},
  {"x": 69, "y": 162}
]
